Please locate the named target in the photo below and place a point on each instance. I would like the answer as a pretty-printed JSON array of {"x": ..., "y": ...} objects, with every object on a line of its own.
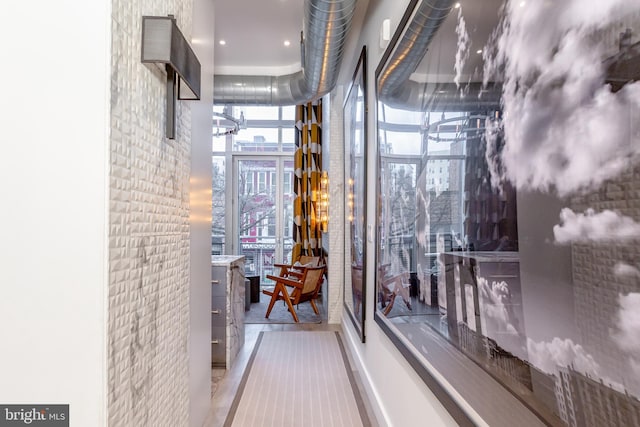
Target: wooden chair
[
  {"x": 304, "y": 284},
  {"x": 390, "y": 286}
]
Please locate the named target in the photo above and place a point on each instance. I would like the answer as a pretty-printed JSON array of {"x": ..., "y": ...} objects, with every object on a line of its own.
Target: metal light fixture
[
  {"x": 323, "y": 203},
  {"x": 163, "y": 43},
  {"x": 230, "y": 125}
]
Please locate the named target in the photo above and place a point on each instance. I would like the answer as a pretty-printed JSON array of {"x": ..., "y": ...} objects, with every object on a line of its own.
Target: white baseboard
[{"x": 363, "y": 374}]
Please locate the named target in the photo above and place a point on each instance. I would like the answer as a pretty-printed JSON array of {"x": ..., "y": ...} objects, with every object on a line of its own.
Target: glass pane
[
  {"x": 449, "y": 133},
  {"x": 218, "y": 143},
  {"x": 256, "y": 216},
  {"x": 261, "y": 128},
  {"x": 289, "y": 112},
  {"x": 499, "y": 210},
  {"x": 256, "y": 139},
  {"x": 400, "y": 116},
  {"x": 219, "y": 127},
  {"x": 219, "y": 201},
  {"x": 288, "y": 137},
  {"x": 286, "y": 237},
  {"x": 402, "y": 142},
  {"x": 355, "y": 254},
  {"x": 253, "y": 112},
  {"x": 398, "y": 193},
  {"x": 287, "y": 219}
]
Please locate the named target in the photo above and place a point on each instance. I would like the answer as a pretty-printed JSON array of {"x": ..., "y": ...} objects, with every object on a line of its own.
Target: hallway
[
  {"x": 227, "y": 384},
  {"x": 479, "y": 219}
]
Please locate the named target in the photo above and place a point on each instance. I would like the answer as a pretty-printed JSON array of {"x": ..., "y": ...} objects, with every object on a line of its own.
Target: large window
[
  {"x": 262, "y": 129},
  {"x": 505, "y": 181},
  {"x": 259, "y": 158}
]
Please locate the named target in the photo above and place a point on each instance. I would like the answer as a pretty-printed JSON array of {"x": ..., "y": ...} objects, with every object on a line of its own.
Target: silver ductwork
[
  {"x": 396, "y": 89},
  {"x": 327, "y": 23},
  {"x": 415, "y": 96}
]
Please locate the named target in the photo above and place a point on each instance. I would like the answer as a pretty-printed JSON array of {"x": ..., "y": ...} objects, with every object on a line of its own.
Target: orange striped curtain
[{"x": 307, "y": 237}]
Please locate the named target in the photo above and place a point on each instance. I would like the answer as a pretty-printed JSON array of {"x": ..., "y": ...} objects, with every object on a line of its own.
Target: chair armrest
[
  {"x": 285, "y": 281},
  {"x": 284, "y": 269},
  {"x": 296, "y": 273},
  {"x": 300, "y": 270},
  {"x": 282, "y": 265}
]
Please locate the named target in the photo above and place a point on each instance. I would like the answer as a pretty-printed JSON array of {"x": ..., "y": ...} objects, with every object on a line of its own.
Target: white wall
[
  {"x": 200, "y": 220},
  {"x": 402, "y": 397},
  {"x": 53, "y": 191}
]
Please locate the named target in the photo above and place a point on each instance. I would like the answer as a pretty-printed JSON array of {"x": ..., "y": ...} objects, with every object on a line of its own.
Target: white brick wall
[
  {"x": 336, "y": 206},
  {"x": 149, "y": 232}
]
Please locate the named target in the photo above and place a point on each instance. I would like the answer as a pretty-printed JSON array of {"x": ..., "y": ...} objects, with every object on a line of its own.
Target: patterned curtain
[{"x": 306, "y": 186}]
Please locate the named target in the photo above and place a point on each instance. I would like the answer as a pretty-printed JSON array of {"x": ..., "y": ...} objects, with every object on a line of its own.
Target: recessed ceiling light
[
  {"x": 479, "y": 51},
  {"x": 287, "y": 42},
  {"x": 457, "y": 5},
  {"x": 222, "y": 42}
]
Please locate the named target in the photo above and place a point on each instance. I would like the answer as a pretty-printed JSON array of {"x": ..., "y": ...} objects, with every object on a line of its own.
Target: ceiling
[{"x": 255, "y": 32}]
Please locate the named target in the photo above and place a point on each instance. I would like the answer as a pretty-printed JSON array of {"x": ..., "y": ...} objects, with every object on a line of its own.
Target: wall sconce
[
  {"x": 323, "y": 204},
  {"x": 163, "y": 43}
]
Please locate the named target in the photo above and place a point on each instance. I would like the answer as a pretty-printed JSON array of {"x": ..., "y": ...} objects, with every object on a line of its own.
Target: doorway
[{"x": 263, "y": 212}]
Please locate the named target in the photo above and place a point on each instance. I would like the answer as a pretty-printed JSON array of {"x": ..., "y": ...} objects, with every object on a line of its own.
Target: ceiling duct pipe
[
  {"x": 396, "y": 89},
  {"x": 327, "y": 23}
]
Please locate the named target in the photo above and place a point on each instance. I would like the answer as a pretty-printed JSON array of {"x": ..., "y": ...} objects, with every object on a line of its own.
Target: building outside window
[{"x": 258, "y": 163}]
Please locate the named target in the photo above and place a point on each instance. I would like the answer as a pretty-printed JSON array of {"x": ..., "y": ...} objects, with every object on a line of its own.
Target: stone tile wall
[
  {"x": 148, "y": 321},
  {"x": 337, "y": 196}
]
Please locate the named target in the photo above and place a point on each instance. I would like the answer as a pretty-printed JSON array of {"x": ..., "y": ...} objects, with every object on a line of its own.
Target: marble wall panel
[{"x": 148, "y": 323}]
